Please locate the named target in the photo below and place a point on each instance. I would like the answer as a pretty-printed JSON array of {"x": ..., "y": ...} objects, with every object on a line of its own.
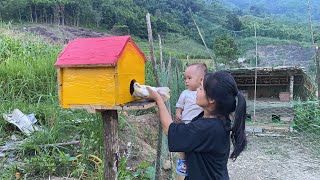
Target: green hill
[
  {"x": 277, "y": 22},
  {"x": 294, "y": 10}
]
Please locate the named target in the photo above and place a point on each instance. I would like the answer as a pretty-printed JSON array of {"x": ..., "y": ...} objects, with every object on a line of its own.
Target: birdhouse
[{"x": 96, "y": 73}]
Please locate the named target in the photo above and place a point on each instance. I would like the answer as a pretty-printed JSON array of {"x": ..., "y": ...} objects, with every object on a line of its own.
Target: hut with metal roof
[
  {"x": 272, "y": 82},
  {"x": 270, "y": 91}
]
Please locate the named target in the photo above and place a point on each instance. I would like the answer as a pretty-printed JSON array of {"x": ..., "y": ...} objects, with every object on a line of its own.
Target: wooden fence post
[
  {"x": 155, "y": 72},
  {"x": 111, "y": 144}
]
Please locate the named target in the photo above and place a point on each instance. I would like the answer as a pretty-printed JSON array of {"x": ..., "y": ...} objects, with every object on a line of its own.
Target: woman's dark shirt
[{"x": 206, "y": 142}]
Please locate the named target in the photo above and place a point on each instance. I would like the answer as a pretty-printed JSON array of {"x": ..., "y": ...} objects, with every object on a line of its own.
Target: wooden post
[
  {"x": 255, "y": 75},
  {"x": 204, "y": 43},
  {"x": 291, "y": 87},
  {"x": 155, "y": 72},
  {"x": 318, "y": 69},
  {"x": 111, "y": 144},
  {"x": 161, "y": 59},
  {"x": 153, "y": 57},
  {"x": 317, "y": 59}
]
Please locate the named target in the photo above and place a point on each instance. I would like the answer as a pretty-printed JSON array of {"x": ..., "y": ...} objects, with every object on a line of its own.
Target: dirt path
[
  {"x": 275, "y": 158},
  {"x": 62, "y": 34}
]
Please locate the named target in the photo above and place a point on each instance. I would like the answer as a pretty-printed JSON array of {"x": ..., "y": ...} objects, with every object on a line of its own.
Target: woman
[{"x": 206, "y": 140}]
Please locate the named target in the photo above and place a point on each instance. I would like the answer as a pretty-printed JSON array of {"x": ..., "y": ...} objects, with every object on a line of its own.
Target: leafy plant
[
  {"x": 144, "y": 171},
  {"x": 307, "y": 117}
]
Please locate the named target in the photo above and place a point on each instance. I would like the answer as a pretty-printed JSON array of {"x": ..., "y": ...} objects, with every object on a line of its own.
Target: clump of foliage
[
  {"x": 143, "y": 171},
  {"x": 226, "y": 49},
  {"x": 307, "y": 117}
]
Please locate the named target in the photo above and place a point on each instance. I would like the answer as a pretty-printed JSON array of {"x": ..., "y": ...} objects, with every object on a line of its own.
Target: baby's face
[{"x": 192, "y": 78}]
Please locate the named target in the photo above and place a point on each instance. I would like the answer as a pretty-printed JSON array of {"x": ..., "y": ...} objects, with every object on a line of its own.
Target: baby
[{"x": 186, "y": 107}]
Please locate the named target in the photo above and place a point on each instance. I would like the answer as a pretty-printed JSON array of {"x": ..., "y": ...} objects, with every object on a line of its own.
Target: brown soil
[
  {"x": 276, "y": 158},
  {"x": 61, "y": 34}
]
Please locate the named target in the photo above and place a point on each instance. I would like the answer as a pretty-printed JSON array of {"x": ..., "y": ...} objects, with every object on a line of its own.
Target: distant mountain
[{"x": 293, "y": 10}]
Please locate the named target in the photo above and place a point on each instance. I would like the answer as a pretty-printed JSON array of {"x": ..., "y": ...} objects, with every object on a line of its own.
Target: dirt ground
[
  {"x": 275, "y": 158},
  {"x": 279, "y": 158},
  {"x": 61, "y": 34}
]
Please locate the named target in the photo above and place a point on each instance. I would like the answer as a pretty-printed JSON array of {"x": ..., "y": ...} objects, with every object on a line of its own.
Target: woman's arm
[{"x": 165, "y": 117}]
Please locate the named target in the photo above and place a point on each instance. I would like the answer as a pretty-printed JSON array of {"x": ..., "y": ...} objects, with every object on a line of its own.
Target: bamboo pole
[
  {"x": 316, "y": 47},
  {"x": 310, "y": 22},
  {"x": 255, "y": 75},
  {"x": 161, "y": 59},
  {"x": 318, "y": 69},
  {"x": 194, "y": 21},
  {"x": 153, "y": 57}
]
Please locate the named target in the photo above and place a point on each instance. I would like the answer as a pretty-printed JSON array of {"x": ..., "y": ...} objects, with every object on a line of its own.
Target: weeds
[
  {"x": 307, "y": 117},
  {"x": 144, "y": 171}
]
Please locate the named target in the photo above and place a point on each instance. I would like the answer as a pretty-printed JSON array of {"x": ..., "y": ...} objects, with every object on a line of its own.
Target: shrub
[{"x": 307, "y": 117}]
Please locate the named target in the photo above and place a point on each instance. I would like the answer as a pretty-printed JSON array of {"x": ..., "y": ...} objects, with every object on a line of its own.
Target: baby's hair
[{"x": 200, "y": 66}]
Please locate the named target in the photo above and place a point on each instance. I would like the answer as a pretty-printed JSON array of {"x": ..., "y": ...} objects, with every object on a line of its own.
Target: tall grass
[
  {"x": 28, "y": 82},
  {"x": 307, "y": 117},
  {"x": 26, "y": 69}
]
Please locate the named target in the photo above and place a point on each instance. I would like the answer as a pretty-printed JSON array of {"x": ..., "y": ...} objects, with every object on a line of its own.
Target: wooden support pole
[
  {"x": 161, "y": 57},
  {"x": 255, "y": 75},
  {"x": 111, "y": 144},
  {"x": 291, "y": 87},
  {"x": 204, "y": 43},
  {"x": 316, "y": 46},
  {"x": 153, "y": 57},
  {"x": 318, "y": 69},
  {"x": 155, "y": 72}
]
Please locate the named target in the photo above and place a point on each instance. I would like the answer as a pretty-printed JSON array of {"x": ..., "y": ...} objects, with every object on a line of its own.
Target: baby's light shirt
[{"x": 187, "y": 102}]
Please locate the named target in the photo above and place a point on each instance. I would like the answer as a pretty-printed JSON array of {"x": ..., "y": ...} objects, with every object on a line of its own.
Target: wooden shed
[
  {"x": 95, "y": 73},
  {"x": 282, "y": 83},
  {"x": 275, "y": 88}
]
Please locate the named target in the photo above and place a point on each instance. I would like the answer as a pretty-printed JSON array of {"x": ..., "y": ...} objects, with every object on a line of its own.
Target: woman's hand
[
  {"x": 165, "y": 117},
  {"x": 153, "y": 95}
]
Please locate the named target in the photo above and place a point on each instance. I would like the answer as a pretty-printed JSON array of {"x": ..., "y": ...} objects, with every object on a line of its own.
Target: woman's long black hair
[{"x": 221, "y": 87}]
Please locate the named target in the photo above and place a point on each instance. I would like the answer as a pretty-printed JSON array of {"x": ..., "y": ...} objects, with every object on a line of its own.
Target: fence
[{"x": 280, "y": 98}]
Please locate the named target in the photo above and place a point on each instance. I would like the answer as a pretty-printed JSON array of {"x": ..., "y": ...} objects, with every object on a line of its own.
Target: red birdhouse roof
[{"x": 94, "y": 51}]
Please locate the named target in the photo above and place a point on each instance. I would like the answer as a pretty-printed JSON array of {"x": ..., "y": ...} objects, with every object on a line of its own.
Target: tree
[
  {"x": 233, "y": 22},
  {"x": 316, "y": 37},
  {"x": 257, "y": 11},
  {"x": 225, "y": 49}
]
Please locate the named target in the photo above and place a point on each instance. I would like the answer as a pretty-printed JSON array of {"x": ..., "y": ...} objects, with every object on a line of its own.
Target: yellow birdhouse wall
[
  {"x": 101, "y": 87},
  {"x": 87, "y": 86},
  {"x": 131, "y": 65}
]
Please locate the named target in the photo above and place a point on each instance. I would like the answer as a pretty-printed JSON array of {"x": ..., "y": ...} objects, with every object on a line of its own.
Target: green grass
[
  {"x": 176, "y": 46},
  {"x": 28, "y": 82}
]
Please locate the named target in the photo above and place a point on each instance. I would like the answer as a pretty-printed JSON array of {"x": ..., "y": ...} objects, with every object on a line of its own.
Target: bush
[{"x": 307, "y": 117}]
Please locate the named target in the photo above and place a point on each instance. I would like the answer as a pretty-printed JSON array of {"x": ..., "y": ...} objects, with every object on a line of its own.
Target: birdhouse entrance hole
[{"x": 131, "y": 86}]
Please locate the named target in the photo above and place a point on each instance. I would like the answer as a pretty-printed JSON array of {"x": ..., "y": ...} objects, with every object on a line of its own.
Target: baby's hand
[{"x": 178, "y": 117}]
